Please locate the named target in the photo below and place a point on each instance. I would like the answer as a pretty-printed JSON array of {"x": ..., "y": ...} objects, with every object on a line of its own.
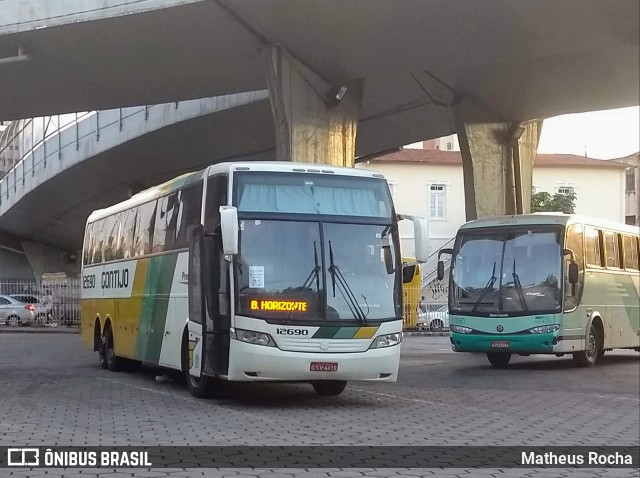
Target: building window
[
  {"x": 631, "y": 180},
  {"x": 437, "y": 201},
  {"x": 566, "y": 190},
  {"x": 449, "y": 145}
]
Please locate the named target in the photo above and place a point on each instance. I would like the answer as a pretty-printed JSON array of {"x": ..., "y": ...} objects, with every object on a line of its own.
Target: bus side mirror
[
  {"x": 408, "y": 271},
  {"x": 573, "y": 266},
  {"x": 229, "y": 228},
  {"x": 573, "y": 272},
  {"x": 421, "y": 238},
  {"x": 441, "y": 262}
]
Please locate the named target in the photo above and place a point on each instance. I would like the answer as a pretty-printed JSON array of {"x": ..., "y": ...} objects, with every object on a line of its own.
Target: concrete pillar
[
  {"x": 14, "y": 265},
  {"x": 315, "y": 122},
  {"x": 497, "y": 162}
]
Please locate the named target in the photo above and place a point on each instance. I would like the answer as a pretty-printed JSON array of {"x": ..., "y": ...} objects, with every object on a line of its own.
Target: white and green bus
[
  {"x": 250, "y": 272},
  {"x": 544, "y": 284}
]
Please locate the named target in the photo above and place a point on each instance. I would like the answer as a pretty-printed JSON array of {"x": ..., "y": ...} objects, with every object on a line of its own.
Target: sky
[{"x": 604, "y": 134}]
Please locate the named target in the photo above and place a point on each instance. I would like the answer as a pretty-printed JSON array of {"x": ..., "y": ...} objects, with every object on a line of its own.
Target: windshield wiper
[
  {"x": 489, "y": 285},
  {"x": 518, "y": 286},
  {"x": 315, "y": 272},
  {"x": 345, "y": 290}
]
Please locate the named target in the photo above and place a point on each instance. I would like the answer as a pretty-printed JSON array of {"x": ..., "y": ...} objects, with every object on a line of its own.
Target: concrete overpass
[{"x": 413, "y": 70}]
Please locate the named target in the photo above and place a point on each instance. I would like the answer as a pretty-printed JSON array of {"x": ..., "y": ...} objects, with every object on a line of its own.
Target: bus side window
[
  {"x": 631, "y": 253},
  {"x": 611, "y": 249},
  {"x": 111, "y": 228},
  {"x": 166, "y": 220},
  {"x": 216, "y": 197},
  {"x": 125, "y": 243},
  {"x": 190, "y": 209},
  {"x": 99, "y": 239},
  {"x": 86, "y": 248},
  {"x": 592, "y": 246},
  {"x": 145, "y": 220},
  {"x": 574, "y": 242}
]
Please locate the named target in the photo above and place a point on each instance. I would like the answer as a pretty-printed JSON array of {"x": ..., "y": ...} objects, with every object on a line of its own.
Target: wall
[
  {"x": 599, "y": 191},
  {"x": 410, "y": 186}
]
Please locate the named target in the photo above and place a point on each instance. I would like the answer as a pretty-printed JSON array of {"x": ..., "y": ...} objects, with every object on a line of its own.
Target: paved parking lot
[{"x": 53, "y": 392}]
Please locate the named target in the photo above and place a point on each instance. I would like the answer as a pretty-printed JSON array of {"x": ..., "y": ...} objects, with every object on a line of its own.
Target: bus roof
[
  {"x": 549, "y": 218},
  {"x": 188, "y": 179}
]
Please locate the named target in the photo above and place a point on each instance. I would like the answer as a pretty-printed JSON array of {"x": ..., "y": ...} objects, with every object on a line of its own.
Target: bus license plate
[
  {"x": 323, "y": 367},
  {"x": 500, "y": 345}
]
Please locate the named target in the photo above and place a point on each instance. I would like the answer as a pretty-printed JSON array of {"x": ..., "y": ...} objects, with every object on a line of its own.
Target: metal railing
[{"x": 56, "y": 301}]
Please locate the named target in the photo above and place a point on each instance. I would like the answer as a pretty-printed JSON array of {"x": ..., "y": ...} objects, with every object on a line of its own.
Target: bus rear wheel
[
  {"x": 589, "y": 357},
  {"x": 499, "y": 360},
  {"x": 329, "y": 387},
  {"x": 113, "y": 363}
]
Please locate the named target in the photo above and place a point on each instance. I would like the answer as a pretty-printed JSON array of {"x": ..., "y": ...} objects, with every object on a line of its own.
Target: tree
[{"x": 559, "y": 202}]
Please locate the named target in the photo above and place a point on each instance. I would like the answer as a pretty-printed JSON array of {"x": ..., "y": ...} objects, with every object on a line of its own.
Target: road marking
[
  {"x": 418, "y": 400},
  {"x": 618, "y": 398},
  {"x": 146, "y": 389}
]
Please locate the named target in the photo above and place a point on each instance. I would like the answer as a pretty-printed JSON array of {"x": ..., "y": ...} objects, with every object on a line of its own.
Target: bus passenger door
[
  {"x": 197, "y": 306},
  {"x": 210, "y": 331}
]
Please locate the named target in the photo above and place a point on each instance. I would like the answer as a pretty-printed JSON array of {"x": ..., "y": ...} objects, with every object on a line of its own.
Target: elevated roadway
[
  {"x": 512, "y": 60},
  {"x": 427, "y": 69}
]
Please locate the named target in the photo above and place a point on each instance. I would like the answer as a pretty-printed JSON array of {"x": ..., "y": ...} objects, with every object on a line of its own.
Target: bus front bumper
[
  {"x": 512, "y": 343},
  {"x": 249, "y": 362}
]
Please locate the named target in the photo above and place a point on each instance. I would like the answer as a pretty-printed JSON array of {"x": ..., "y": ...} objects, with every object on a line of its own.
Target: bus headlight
[
  {"x": 544, "y": 329},
  {"x": 256, "y": 338},
  {"x": 459, "y": 329},
  {"x": 386, "y": 340}
]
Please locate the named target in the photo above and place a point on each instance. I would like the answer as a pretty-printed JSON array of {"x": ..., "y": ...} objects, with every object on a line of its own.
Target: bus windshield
[
  {"x": 515, "y": 272},
  {"x": 285, "y": 271}
]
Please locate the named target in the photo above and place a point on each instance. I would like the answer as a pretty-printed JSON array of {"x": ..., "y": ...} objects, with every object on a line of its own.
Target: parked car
[
  {"x": 14, "y": 312},
  {"x": 40, "y": 310},
  {"x": 435, "y": 320}
]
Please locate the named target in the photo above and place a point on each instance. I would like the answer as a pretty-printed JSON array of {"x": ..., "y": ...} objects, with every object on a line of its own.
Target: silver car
[
  {"x": 40, "y": 310},
  {"x": 14, "y": 312}
]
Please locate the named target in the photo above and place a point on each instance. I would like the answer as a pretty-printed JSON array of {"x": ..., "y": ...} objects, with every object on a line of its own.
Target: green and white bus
[
  {"x": 544, "y": 284},
  {"x": 250, "y": 271}
]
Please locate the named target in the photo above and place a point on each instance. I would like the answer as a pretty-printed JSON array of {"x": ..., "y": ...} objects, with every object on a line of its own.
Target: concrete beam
[{"x": 316, "y": 122}]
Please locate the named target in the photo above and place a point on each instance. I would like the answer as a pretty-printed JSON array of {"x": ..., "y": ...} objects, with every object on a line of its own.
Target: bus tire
[
  {"x": 589, "y": 357},
  {"x": 499, "y": 360},
  {"x": 113, "y": 363},
  {"x": 102, "y": 352},
  {"x": 202, "y": 387},
  {"x": 329, "y": 387}
]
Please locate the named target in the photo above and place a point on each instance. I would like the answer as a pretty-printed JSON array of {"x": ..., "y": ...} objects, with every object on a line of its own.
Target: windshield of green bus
[
  {"x": 514, "y": 272},
  {"x": 312, "y": 249}
]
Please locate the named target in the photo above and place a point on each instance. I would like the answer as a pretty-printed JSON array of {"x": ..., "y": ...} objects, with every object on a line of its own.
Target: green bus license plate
[
  {"x": 323, "y": 367},
  {"x": 501, "y": 344}
]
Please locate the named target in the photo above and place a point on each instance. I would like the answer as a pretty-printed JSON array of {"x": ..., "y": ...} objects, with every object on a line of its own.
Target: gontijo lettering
[
  {"x": 118, "y": 279},
  {"x": 279, "y": 305}
]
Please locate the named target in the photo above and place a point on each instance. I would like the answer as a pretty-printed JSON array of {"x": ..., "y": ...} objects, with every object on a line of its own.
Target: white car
[{"x": 435, "y": 320}]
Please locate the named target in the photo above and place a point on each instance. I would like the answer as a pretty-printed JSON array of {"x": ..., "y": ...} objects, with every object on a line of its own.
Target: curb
[
  {"x": 419, "y": 333},
  {"x": 39, "y": 330}
]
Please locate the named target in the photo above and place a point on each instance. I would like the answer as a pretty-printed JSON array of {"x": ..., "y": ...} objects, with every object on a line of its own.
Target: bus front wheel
[
  {"x": 329, "y": 387},
  {"x": 499, "y": 360},
  {"x": 589, "y": 357},
  {"x": 199, "y": 387}
]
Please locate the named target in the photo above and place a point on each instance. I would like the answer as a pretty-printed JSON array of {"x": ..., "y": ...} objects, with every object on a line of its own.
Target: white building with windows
[{"x": 429, "y": 183}]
